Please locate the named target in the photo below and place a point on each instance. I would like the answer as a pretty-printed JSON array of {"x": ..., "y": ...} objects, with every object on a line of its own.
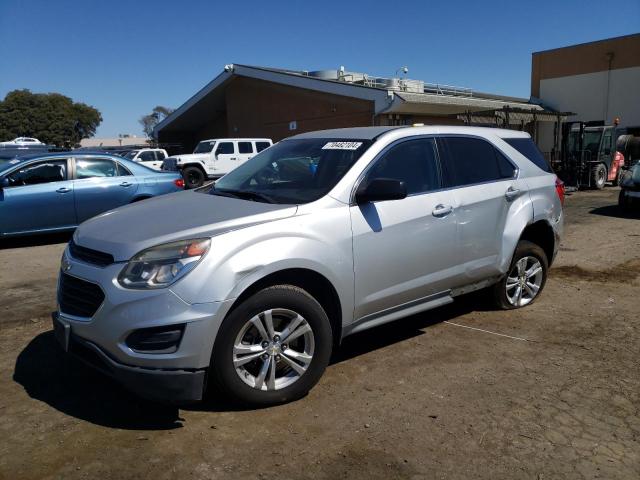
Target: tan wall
[
  {"x": 256, "y": 108},
  {"x": 585, "y": 58}
]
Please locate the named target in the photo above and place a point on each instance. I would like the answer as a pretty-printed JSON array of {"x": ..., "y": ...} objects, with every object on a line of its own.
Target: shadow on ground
[
  {"x": 35, "y": 240},
  {"x": 616, "y": 212},
  {"x": 66, "y": 384},
  {"x": 49, "y": 375}
]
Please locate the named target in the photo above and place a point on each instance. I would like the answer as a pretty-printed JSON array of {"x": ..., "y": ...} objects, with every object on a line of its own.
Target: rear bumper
[{"x": 176, "y": 386}]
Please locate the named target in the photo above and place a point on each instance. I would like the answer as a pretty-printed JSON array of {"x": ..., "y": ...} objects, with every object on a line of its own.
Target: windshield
[
  {"x": 293, "y": 171},
  {"x": 131, "y": 154},
  {"x": 590, "y": 142},
  {"x": 204, "y": 147}
]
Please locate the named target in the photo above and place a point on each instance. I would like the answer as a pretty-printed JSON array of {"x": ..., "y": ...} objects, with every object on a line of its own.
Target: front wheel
[
  {"x": 193, "y": 177},
  {"x": 273, "y": 348},
  {"x": 526, "y": 277}
]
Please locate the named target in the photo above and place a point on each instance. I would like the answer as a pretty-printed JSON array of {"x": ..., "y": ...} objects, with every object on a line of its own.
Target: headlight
[{"x": 160, "y": 266}]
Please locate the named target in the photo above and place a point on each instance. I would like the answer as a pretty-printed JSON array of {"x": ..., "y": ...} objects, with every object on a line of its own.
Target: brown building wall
[
  {"x": 584, "y": 58},
  {"x": 265, "y": 109}
]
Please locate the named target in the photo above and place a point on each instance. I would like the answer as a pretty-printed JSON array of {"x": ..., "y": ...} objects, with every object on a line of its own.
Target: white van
[
  {"x": 214, "y": 158},
  {"x": 150, "y": 157}
]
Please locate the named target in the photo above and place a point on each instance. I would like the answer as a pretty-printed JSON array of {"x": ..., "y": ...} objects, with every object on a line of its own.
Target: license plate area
[{"x": 61, "y": 331}]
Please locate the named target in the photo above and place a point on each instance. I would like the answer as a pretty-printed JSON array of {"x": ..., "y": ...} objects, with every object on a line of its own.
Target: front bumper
[{"x": 177, "y": 386}]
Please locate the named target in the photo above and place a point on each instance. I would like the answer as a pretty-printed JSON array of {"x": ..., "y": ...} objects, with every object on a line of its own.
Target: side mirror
[
  {"x": 380, "y": 189},
  {"x": 4, "y": 183}
]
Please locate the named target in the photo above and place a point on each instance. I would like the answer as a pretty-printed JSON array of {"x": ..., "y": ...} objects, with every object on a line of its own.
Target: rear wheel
[
  {"x": 273, "y": 348},
  {"x": 525, "y": 279},
  {"x": 598, "y": 176},
  {"x": 193, "y": 177}
]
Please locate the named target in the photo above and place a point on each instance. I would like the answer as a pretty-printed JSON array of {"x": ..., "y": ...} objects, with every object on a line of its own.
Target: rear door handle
[
  {"x": 126, "y": 184},
  {"x": 63, "y": 190},
  {"x": 442, "y": 210},
  {"x": 512, "y": 193}
]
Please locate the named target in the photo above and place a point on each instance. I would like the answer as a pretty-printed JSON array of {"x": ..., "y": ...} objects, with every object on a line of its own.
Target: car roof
[
  {"x": 371, "y": 133},
  {"x": 250, "y": 139}
]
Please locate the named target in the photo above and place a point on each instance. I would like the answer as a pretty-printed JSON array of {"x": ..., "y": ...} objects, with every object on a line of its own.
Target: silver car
[{"x": 245, "y": 290}]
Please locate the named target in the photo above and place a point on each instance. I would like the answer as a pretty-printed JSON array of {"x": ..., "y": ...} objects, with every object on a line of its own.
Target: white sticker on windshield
[{"x": 342, "y": 146}]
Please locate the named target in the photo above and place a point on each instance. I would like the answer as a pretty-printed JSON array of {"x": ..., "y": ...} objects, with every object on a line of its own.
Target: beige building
[
  {"x": 122, "y": 141},
  {"x": 598, "y": 81}
]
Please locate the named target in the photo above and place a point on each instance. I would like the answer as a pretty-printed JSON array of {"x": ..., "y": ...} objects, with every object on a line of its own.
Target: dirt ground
[{"x": 550, "y": 391}]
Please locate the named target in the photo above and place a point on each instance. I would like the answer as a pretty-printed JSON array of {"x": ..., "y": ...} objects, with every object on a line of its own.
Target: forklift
[{"x": 593, "y": 153}]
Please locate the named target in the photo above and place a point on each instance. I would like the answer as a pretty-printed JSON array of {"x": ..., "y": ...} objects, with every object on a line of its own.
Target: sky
[{"x": 125, "y": 57}]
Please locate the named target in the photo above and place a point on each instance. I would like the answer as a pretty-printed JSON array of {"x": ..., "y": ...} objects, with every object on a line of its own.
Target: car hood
[
  {"x": 192, "y": 157},
  {"x": 127, "y": 230}
]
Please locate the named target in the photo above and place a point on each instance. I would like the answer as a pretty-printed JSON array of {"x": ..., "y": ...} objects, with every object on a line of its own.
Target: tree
[
  {"x": 50, "y": 117},
  {"x": 149, "y": 122}
]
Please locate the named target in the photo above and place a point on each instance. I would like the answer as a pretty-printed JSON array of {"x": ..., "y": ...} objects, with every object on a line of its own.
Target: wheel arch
[
  {"x": 314, "y": 283},
  {"x": 198, "y": 165},
  {"x": 541, "y": 233}
]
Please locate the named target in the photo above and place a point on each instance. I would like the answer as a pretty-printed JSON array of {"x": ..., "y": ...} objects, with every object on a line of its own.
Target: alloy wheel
[
  {"x": 273, "y": 349},
  {"x": 524, "y": 281}
]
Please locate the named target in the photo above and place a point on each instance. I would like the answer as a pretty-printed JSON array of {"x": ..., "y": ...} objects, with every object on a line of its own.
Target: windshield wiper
[{"x": 243, "y": 194}]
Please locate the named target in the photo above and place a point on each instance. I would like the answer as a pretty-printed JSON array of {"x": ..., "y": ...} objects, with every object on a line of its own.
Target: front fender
[{"x": 320, "y": 242}]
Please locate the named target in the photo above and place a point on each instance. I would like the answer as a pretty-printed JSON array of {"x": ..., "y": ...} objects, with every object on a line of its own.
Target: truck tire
[
  {"x": 193, "y": 177},
  {"x": 598, "y": 176}
]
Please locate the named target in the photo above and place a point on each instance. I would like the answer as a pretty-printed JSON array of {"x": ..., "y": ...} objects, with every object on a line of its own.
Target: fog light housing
[{"x": 156, "y": 339}]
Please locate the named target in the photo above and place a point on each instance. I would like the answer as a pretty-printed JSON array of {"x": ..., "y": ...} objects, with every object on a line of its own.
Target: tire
[
  {"x": 238, "y": 333},
  {"x": 193, "y": 177},
  {"x": 533, "y": 253},
  {"x": 598, "y": 176},
  {"x": 616, "y": 181}
]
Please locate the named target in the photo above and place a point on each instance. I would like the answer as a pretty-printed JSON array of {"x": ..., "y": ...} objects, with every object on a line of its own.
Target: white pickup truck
[
  {"x": 150, "y": 157},
  {"x": 214, "y": 158}
]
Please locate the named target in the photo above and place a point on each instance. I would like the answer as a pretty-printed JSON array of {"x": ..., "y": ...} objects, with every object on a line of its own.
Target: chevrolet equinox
[{"x": 248, "y": 287}]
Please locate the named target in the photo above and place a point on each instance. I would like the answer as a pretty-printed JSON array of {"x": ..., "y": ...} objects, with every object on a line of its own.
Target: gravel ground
[{"x": 550, "y": 391}]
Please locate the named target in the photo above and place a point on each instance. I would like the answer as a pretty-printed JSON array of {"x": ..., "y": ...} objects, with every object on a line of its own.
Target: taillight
[
  {"x": 179, "y": 182},
  {"x": 560, "y": 190}
]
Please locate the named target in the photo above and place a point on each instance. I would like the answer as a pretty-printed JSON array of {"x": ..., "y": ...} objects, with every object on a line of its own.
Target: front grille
[
  {"x": 78, "y": 297},
  {"x": 88, "y": 255}
]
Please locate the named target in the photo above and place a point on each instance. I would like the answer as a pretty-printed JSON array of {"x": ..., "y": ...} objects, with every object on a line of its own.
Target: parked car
[
  {"x": 214, "y": 158},
  {"x": 22, "y": 141},
  {"x": 55, "y": 192},
  {"x": 150, "y": 157},
  {"x": 249, "y": 288},
  {"x": 629, "y": 196}
]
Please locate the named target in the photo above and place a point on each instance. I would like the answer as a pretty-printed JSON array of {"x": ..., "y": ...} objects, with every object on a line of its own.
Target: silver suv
[{"x": 249, "y": 287}]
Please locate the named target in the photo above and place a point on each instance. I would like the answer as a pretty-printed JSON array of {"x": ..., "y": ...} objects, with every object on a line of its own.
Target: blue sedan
[{"x": 58, "y": 191}]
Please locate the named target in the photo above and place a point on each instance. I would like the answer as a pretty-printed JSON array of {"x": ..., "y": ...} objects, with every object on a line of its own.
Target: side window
[
  {"x": 160, "y": 155},
  {"x": 606, "y": 143},
  {"x": 413, "y": 162},
  {"x": 473, "y": 160},
  {"x": 225, "y": 148},
  {"x": 245, "y": 147},
  {"x": 95, "y": 167},
  {"x": 146, "y": 156},
  {"x": 40, "y": 172},
  {"x": 262, "y": 145},
  {"x": 122, "y": 170},
  {"x": 529, "y": 149}
]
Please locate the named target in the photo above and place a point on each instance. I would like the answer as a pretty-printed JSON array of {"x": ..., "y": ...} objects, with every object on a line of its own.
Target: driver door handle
[
  {"x": 512, "y": 193},
  {"x": 442, "y": 210},
  {"x": 126, "y": 184},
  {"x": 63, "y": 190}
]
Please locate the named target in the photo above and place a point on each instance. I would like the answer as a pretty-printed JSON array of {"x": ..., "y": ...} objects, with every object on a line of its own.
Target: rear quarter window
[{"x": 530, "y": 150}]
